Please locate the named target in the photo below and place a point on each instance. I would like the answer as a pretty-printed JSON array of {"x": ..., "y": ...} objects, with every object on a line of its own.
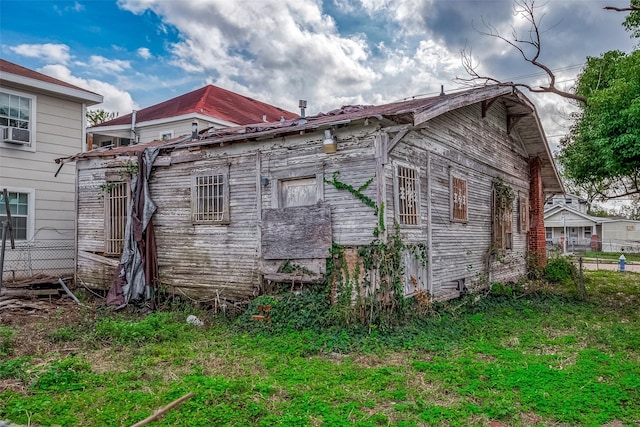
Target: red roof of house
[
  {"x": 10, "y": 67},
  {"x": 211, "y": 101}
]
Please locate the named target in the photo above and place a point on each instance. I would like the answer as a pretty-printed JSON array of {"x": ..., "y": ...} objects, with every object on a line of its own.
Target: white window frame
[
  {"x": 453, "y": 197},
  {"x": 32, "y": 122},
  {"x": 198, "y": 173},
  {"x": 31, "y": 215},
  {"x": 396, "y": 193},
  {"x": 164, "y": 133}
]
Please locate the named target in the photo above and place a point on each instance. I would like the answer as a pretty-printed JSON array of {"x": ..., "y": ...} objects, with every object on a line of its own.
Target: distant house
[
  {"x": 585, "y": 232},
  {"x": 209, "y": 107},
  {"x": 464, "y": 177},
  {"x": 572, "y": 201},
  {"x": 41, "y": 119},
  {"x": 572, "y": 228}
]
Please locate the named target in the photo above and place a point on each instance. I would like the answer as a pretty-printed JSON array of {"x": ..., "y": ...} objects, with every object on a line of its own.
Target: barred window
[
  {"x": 459, "y": 200},
  {"x": 407, "y": 195},
  {"x": 116, "y": 202},
  {"x": 210, "y": 197}
]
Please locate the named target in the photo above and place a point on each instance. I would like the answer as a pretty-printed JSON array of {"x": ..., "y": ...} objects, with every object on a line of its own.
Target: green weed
[{"x": 522, "y": 355}]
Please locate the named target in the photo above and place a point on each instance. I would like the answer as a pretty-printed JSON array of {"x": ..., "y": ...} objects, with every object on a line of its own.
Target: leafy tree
[
  {"x": 601, "y": 155},
  {"x": 632, "y": 211},
  {"x": 632, "y": 22},
  {"x": 96, "y": 117},
  {"x": 602, "y": 151}
]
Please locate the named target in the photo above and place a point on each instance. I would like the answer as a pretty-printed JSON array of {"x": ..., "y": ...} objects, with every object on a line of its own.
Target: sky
[{"x": 331, "y": 53}]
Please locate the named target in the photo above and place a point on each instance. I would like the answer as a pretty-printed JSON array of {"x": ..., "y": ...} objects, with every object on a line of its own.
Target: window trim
[
  {"x": 195, "y": 174},
  {"x": 499, "y": 225},
  {"x": 455, "y": 175},
  {"x": 316, "y": 172},
  {"x": 31, "y": 215},
  {"x": 32, "y": 122},
  {"x": 115, "y": 178},
  {"x": 163, "y": 133},
  {"x": 523, "y": 214},
  {"x": 396, "y": 194}
]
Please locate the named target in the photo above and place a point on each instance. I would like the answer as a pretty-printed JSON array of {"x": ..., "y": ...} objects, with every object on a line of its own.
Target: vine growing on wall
[
  {"x": 357, "y": 192},
  {"x": 505, "y": 196},
  {"x": 375, "y": 298}
]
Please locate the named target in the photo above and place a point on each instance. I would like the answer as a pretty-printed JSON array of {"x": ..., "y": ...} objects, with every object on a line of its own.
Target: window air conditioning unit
[{"x": 15, "y": 135}]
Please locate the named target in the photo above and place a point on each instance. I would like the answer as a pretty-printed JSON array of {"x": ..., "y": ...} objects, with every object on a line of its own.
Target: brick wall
[{"x": 537, "y": 235}]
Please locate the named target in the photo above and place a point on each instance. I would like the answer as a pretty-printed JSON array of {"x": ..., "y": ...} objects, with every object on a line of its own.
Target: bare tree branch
[
  {"x": 526, "y": 9},
  {"x": 622, "y": 9}
]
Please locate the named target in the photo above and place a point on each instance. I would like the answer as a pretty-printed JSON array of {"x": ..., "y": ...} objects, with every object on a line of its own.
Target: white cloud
[
  {"x": 277, "y": 50},
  {"x": 144, "y": 53},
  {"x": 299, "y": 53},
  {"x": 109, "y": 65},
  {"x": 75, "y": 7},
  {"x": 49, "y": 52},
  {"x": 115, "y": 99}
]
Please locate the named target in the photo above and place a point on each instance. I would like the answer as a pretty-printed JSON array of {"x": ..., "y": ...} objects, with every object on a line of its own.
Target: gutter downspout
[{"x": 134, "y": 134}]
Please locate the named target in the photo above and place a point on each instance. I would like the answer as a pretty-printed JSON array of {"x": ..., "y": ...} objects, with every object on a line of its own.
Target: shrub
[
  {"x": 291, "y": 311},
  {"x": 501, "y": 289},
  {"x": 6, "y": 340},
  {"x": 560, "y": 269}
]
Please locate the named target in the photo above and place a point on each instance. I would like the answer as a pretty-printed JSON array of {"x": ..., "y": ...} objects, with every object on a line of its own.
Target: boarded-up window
[
  {"x": 523, "y": 214},
  {"x": 407, "y": 196},
  {"x": 210, "y": 197},
  {"x": 458, "y": 199},
  {"x": 508, "y": 229},
  {"x": 298, "y": 192},
  {"x": 502, "y": 220},
  {"x": 115, "y": 218}
]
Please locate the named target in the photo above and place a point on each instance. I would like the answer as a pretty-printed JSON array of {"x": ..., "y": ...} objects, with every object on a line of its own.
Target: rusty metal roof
[{"x": 407, "y": 113}]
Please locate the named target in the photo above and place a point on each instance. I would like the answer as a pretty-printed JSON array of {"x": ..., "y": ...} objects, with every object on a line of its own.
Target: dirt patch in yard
[{"x": 36, "y": 322}]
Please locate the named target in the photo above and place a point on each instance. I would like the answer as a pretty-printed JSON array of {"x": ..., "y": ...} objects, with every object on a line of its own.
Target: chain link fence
[
  {"x": 574, "y": 245},
  {"x": 38, "y": 260}
]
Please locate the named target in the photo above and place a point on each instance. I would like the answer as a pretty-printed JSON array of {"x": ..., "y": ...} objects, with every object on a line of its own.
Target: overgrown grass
[{"x": 526, "y": 354}]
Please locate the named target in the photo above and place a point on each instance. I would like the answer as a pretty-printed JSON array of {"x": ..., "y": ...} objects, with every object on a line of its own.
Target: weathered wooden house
[{"x": 463, "y": 176}]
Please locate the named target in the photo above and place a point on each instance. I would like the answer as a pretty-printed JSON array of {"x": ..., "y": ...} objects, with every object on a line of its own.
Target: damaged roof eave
[
  {"x": 458, "y": 101},
  {"x": 539, "y": 147}
]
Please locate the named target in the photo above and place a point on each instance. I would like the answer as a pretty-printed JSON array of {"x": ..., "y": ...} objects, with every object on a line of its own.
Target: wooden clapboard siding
[
  {"x": 91, "y": 222},
  {"x": 227, "y": 260},
  {"x": 207, "y": 259},
  {"x": 477, "y": 150}
]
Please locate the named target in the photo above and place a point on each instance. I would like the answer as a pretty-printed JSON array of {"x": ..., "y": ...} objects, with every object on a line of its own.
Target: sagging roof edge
[{"x": 321, "y": 122}]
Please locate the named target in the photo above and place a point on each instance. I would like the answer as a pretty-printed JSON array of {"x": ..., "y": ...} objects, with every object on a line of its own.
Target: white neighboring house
[
  {"x": 566, "y": 215},
  {"x": 209, "y": 107},
  {"x": 41, "y": 119},
  {"x": 583, "y": 231},
  {"x": 569, "y": 200}
]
